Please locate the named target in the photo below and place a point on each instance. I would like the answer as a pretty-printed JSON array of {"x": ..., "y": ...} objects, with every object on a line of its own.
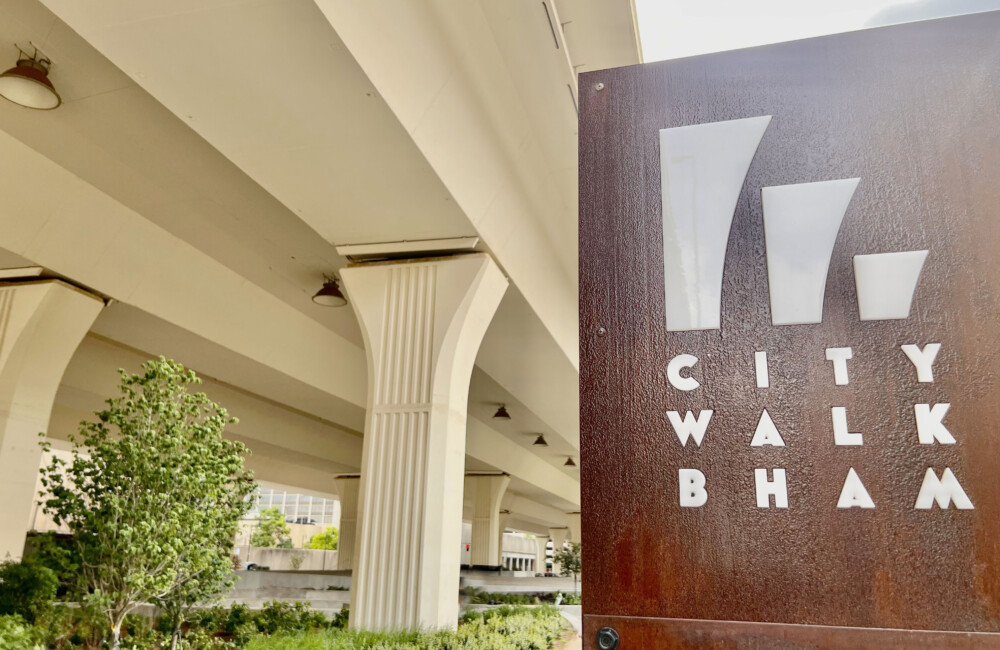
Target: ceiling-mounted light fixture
[
  {"x": 330, "y": 295},
  {"x": 569, "y": 462},
  {"x": 501, "y": 413},
  {"x": 27, "y": 83},
  {"x": 540, "y": 441}
]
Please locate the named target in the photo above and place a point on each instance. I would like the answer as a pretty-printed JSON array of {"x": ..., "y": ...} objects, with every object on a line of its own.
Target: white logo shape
[{"x": 702, "y": 171}]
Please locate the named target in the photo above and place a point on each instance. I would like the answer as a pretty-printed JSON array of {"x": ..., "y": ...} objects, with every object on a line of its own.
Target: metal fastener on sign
[
  {"x": 601, "y": 331},
  {"x": 607, "y": 638},
  {"x": 599, "y": 86}
]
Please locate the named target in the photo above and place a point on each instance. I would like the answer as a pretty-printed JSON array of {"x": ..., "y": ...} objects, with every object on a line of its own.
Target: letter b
[{"x": 691, "y": 483}]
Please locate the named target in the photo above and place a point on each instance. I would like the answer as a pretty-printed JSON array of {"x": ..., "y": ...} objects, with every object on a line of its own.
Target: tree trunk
[
  {"x": 116, "y": 630},
  {"x": 176, "y": 620}
]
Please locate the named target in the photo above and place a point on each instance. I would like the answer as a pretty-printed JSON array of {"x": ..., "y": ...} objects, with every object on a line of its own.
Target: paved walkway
[
  {"x": 576, "y": 643},
  {"x": 573, "y": 614}
]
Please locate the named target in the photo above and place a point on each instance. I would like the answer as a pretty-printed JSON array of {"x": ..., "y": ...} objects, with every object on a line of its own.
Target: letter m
[
  {"x": 689, "y": 427},
  {"x": 943, "y": 491}
]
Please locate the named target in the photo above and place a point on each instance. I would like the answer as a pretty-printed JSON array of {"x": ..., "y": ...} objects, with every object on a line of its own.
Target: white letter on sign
[
  {"x": 766, "y": 488},
  {"x": 923, "y": 360},
  {"x": 689, "y": 427},
  {"x": 760, "y": 369},
  {"x": 840, "y": 433},
  {"x": 854, "y": 494},
  {"x": 766, "y": 433},
  {"x": 929, "y": 425},
  {"x": 674, "y": 372},
  {"x": 692, "y": 488},
  {"x": 839, "y": 357},
  {"x": 944, "y": 491}
]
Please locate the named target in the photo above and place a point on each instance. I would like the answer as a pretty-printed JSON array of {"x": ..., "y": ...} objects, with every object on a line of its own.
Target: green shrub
[
  {"x": 27, "y": 589},
  {"x": 15, "y": 634},
  {"x": 514, "y": 628}
]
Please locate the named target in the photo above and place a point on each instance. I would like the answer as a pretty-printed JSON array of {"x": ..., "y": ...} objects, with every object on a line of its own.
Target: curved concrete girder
[
  {"x": 82, "y": 233},
  {"x": 438, "y": 67},
  {"x": 485, "y": 444}
]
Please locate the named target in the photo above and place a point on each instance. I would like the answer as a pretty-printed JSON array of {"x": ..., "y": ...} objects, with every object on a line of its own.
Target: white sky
[{"x": 671, "y": 29}]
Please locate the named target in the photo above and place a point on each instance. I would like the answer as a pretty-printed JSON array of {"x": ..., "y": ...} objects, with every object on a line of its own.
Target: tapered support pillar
[
  {"x": 422, "y": 321},
  {"x": 540, "y": 555},
  {"x": 573, "y": 519},
  {"x": 346, "y": 486},
  {"x": 501, "y": 526},
  {"x": 559, "y": 537},
  {"x": 485, "y": 493},
  {"x": 41, "y": 325}
]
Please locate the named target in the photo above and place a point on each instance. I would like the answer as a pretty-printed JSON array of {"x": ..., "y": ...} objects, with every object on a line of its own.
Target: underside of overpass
[{"x": 211, "y": 155}]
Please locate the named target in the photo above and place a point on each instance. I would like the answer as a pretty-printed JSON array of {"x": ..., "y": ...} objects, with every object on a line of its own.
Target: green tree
[
  {"x": 272, "y": 532},
  {"x": 327, "y": 540},
  {"x": 570, "y": 561},
  {"x": 152, "y": 497}
]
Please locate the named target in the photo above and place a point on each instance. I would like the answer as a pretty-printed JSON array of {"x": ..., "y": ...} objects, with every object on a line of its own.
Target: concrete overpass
[{"x": 208, "y": 160}]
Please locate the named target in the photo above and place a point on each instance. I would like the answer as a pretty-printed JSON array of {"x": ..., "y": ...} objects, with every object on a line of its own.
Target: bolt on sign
[{"x": 790, "y": 344}]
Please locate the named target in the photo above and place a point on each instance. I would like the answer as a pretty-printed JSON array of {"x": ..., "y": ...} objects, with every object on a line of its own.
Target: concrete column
[
  {"x": 559, "y": 537},
  {"x": 346, "y": 486},
  {"x": 573, "y": 519},
  {"x": 502, "y": 518},
  {"x": 540, "y": 558},
  {"x": 41, "y": 324},
  {"x": 423, "y": 322},
  {"x": 485, "y": 493}
]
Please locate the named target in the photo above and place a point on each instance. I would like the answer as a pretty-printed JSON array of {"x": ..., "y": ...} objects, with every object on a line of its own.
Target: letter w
[{"x": 689, "y": 427}]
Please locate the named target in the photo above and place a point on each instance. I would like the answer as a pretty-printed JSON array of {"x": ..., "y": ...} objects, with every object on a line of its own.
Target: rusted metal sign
[{"x": 790, "y": 344}]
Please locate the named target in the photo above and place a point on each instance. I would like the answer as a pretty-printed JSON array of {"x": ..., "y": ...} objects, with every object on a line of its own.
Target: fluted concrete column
[
  {"x": 558, "y": 536},
  {"x": 423, "y": 322},
  {"x": 573, "y": 519},
  {"x": 41, "y": 324},
  {"x": 540, "y": 555},
  {"x": 485, "y": 493},
  {"x": 346, "y": 486},
  {"x": 502, "y": 518}
]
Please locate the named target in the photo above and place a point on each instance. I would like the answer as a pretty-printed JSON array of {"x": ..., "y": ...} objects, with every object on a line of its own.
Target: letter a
[
  {"x": 766, "y": 433},
  {"x": 854, "y": 494},
  {"x": 689, "y": 427},
  {"x": 944, "y": 491},
  {"x": 691, "y": 483}
]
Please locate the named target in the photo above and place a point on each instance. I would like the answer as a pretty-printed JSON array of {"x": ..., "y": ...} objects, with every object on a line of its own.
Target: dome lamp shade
[
  {"x": 330, "y": 294},
  {"x": 27, "y": 83}
]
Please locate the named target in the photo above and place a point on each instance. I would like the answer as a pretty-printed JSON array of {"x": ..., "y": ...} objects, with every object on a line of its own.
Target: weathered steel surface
[
  {"x": 675, "y": 634},
  {"x": 914, "y": 111}
]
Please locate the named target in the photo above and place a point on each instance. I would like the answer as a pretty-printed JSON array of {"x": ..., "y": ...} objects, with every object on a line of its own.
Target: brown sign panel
[{"x": 844, "y": 488}]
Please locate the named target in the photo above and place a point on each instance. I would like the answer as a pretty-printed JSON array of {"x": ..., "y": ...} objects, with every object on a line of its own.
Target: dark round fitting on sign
[{"x": 607, "y": 638}]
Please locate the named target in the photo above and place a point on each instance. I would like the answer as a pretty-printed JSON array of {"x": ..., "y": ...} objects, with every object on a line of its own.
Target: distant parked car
[{"x": 253, "y": 566}]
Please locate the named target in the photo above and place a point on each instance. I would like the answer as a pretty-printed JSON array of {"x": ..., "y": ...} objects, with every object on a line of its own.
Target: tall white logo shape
[{"x": 702, "y": 171}]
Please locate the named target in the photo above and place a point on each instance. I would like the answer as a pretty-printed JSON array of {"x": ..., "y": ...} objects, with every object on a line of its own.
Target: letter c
[{"x": 674, "y": 372}]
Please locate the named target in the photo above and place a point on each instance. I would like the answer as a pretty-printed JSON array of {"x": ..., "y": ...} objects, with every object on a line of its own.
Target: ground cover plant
[
  {"x": 480, "y": 597},
  {"x": 503, "y": 628},
  {"x": 281, "y": 626}
]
